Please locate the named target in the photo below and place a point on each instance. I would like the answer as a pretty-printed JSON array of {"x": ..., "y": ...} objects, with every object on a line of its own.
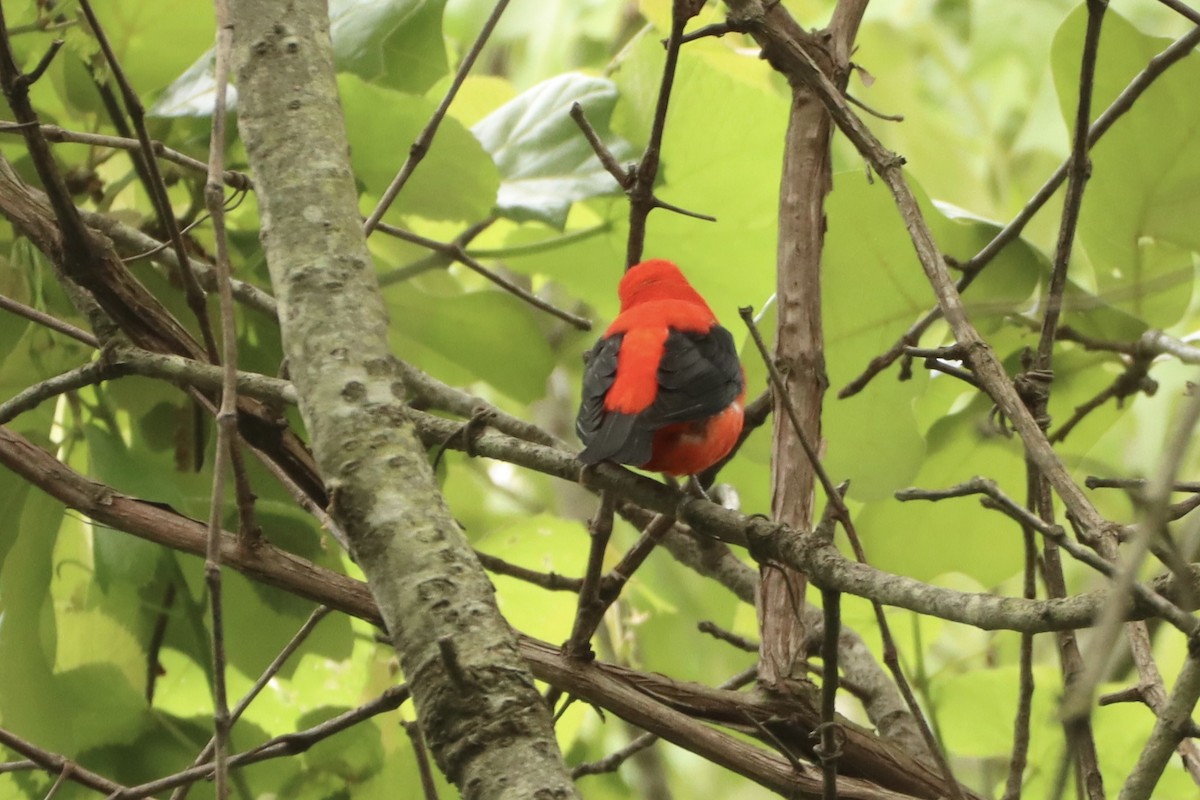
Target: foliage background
[{"x": 984, "y": 89}]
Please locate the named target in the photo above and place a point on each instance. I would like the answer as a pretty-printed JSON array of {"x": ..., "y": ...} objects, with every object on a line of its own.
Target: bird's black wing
[
  {"x": 699, "y": 376},
  {"x": 608, "y": 434}
]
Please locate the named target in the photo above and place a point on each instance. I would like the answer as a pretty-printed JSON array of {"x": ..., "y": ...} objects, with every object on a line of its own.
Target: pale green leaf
[
  {"x": 544, "y": 160},
  {"x": 1138, "y": 222},
  {"x": 454, "y": 181}
]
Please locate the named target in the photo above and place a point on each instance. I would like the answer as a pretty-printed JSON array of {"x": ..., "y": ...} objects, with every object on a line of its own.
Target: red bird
[{"x": 663, "y": 389}]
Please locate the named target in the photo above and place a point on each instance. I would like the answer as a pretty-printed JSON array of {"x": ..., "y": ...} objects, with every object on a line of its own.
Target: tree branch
[{"x": 432, "y": 590}]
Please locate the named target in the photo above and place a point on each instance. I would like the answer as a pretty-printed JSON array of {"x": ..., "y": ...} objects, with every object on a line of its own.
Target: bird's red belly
[{"x": 690, "y": 447}]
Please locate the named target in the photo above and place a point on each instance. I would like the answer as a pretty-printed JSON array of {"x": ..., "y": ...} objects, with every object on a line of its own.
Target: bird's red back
[{"x": 663, "y": 388}]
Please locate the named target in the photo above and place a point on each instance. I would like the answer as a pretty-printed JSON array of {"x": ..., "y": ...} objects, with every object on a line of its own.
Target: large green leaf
[
  {"x": 1138, "y": 222},
  {"x": 546, "y": 544},
  {"x": 874, "y": 288},
  {"x": 30, "y": 699},
  {"x": 455, "y": 181},
  {"x": 975, "y": 708},
  {"x": 924, "y": 540},
  {"x": 544, "y": 160},
  {"x": 114, "y": 716},
  {"x": 396, "y": 43}
]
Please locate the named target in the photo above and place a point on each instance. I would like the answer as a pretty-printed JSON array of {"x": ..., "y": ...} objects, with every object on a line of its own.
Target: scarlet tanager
[{"x": 663, "y": 389}]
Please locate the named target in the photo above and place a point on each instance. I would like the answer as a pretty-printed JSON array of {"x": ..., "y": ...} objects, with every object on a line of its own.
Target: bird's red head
[{"x": 656, "y": 279}]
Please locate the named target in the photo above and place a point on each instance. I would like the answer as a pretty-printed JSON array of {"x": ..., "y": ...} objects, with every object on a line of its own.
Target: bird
[{"x": 663, "y": 389}]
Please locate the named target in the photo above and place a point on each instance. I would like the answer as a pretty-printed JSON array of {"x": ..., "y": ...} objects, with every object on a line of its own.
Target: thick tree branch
[
  {"x": 827, "y": 566},
  {"x": 482, "y": 717}
]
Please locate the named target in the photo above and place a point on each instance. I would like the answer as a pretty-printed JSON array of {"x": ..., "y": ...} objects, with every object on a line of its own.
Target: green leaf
[
  {"x": 155, "y": 40},
  {"x": 396, "y": 43},
  {"x": 164, "y": 743},
  {"x": 193, "y": 93},
  {"x": 874, "y": 289},
  {"x": 975, "y": 708},
  {"x": 30, "y": 699},
  {"x": 924, "y": 540},
  {"x": 719, "y": 158},
  {"x": 127, "y": 469},
  {"x": 455, "y": 181},
  {"x": 94, "y": 637},
  {"x": 546, "y": 544},
  {"x": 481, "y": 336},
  {"x": 544, "y": 160},
  {"x": 115, "y": 715},
  {"x": 1138, "y": 221}
]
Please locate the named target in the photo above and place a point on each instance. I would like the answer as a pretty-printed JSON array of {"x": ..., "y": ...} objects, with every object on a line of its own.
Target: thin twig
[
  {"x": 158, "y": 635},
  {"x": 227, "y": 436},
  {"x": 608, "y": 588},
  {"x": 53, "y": 133},
  {"x": 551, "y": 581},
  {"x": 641, "y": 189},
  {"x": 1174, "y": 721},
  {"x": 280, "y": 746},
  {"x": 130, "y": 241},
  {"x": 619, "y": 575},
  {"x": 829, "y": 749},
  {"x": 1182, "y": 8},
  {"x": 1078, "y": 171},
  {"x": 89, "y": 374},
  {"x": 62, "y": 778},
  {"x": 1133, "y": 380},
  {"x": 1094, "y": 482},
  {"x": 458, "y": 253},
  {"x": 436, "y": 260},
  {"x": 1153, "y": 519},
  {"x": 590, "y": 607},
  {"x": 729, "y": 637},
  {"x": 878, "y": 114},
  {"x": 425, "y": 138},
  {"x": 417, "y": 740},
  {"x": 615, "y": 759},
  {"x": 45, "y": 320},
  {"x": 623, "y": 177},
  {"x": 1023, "y": 718},
  {"x": 54, "y": 763},
  {"x": 1000, "y": 501},
  {"x": 1151, "y": 343}
]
